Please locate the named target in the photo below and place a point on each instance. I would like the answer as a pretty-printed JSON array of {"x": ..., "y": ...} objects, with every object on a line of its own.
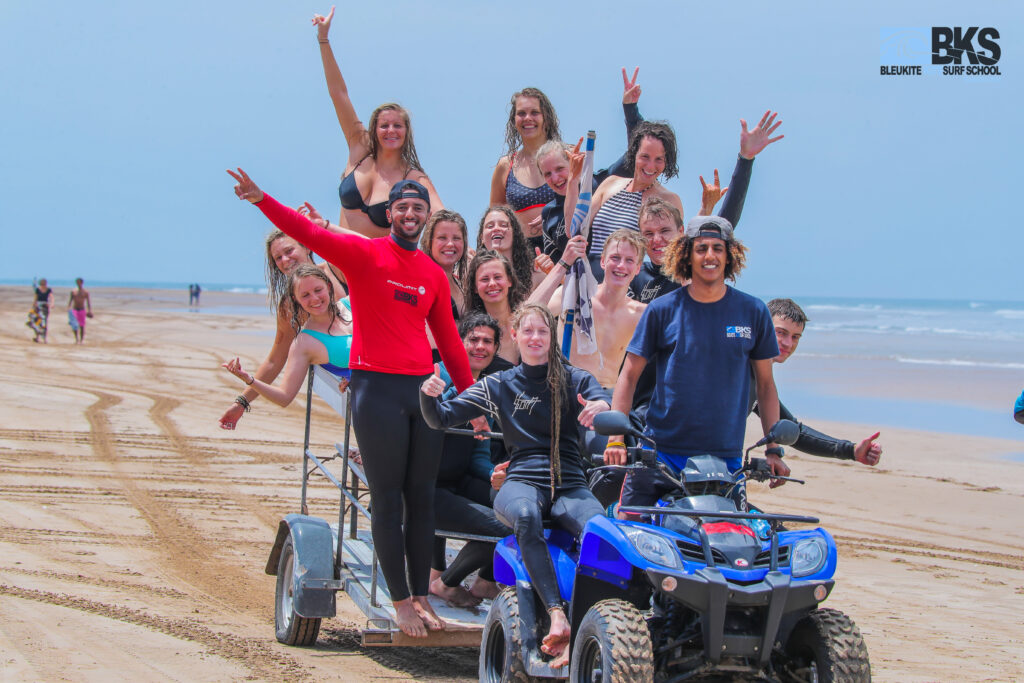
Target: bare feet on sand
[
  {"x": 456, "y": 596},
  {"x": 426, "y": 613},
  {"x": 556, "y": 642},
  {"x": 485, "y": 590},
  {"x": 408, "y": 619}
]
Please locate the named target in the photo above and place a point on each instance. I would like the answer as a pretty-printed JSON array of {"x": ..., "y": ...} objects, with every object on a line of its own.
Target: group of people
[
  {"x": 428, "y": 335},
  {"x": 79, "y": 309}
]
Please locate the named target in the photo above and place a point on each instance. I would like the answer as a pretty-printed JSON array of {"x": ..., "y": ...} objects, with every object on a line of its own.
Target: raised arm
[
  {"x": 631, "y": 112},
  {"x": 354, "y": 130},
  {"x": 576, "y": 248},
  {"x": 342, "y": 250}
]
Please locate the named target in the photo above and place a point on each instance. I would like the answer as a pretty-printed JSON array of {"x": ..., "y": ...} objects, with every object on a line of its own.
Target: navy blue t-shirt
[{"x": 702, "y": 353}]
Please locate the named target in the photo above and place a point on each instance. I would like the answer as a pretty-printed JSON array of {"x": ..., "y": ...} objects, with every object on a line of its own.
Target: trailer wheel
[
  {"x": 826, "y": 647},
  {"x": 612, "y": 645},
  {"x": 291, "y": 628},
  {"x": 501, "y": 645}
]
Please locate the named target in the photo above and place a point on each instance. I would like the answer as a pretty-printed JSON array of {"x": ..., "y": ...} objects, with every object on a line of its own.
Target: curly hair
[
  {"x": 547, "y": 110},
  {"x": 475, "y": 319},
  {"x": 557, "y": 380},
  {"x": 663, "y": 133},
  {"x": 522, "y": 262},
  {"x": 427, "y": 239},
  {"x": 277, "y": 282},
  {"x": 304, "y": 271},
  {"x": 408, "y": 154},
  {"x": 473, "y": 300},
  {"x": 677, "y": 263}
]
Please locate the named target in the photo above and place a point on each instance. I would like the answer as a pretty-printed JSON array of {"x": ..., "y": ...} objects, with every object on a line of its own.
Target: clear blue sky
[{"x": 119, "y": 119}]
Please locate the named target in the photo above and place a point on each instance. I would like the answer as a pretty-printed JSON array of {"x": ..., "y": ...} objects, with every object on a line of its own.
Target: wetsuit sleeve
[
  {"x": 588, "y": 386},
  {"x": 633, "y": 119},
  {"x": 813, "y": 442},
  {"x": 473, "y": 402},
  {"x": 732, "y": 207},
  {"x": 446, "y": 335},
  {"x": 342, "y": 250}
]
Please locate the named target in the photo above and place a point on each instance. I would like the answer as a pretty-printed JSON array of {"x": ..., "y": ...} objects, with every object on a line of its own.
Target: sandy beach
[{"x": 134, "y": 531}]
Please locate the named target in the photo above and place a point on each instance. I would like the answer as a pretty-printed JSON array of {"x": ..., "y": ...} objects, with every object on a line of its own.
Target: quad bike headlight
[
  {"x": 808, "y": 556},
  {"x": 654, "y": 547}
]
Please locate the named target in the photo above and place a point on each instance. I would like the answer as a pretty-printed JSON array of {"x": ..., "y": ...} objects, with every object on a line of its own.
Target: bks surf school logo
[
  {"x": 940, "y": 50},
  {"x": 737, "y": 332}
]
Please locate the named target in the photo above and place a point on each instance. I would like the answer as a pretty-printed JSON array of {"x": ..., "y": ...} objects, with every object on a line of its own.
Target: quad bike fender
[
  {"x": 509, "y": 568},
  {"x": 313, "y": 544}
]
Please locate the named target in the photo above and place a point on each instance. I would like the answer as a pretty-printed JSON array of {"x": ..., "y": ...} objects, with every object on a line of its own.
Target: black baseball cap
[
  {"x": 709, "y": 226},
  {"x": 405, "y": 189}
]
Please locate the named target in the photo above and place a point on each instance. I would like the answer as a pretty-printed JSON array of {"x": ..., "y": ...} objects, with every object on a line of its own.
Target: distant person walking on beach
[
  {"x": 79, "y": 308},
  {"x": 44, "y": 300},
  {"x": 193, "y": 295}
]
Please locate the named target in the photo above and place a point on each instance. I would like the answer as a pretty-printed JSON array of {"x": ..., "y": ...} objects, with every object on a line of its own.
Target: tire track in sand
[
  {"x": 185, "y": 555},
  {"x": 254, "y": 654}
]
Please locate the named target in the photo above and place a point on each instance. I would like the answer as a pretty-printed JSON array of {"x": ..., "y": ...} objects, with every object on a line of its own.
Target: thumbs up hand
[{"x": 433, "y": 385}]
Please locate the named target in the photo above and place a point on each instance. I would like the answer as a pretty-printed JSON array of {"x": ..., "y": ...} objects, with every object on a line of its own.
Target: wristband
[
  {"x": 252, "y": 378},
  {"x": 244, "y": 402},
  {"x": 615, "y": 444},
  {"x": 564, "y": 265},
  {"x": 775, "y": 450}
]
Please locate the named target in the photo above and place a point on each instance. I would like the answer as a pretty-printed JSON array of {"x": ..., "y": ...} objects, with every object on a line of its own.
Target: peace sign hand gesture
[
  {"x": 630, "y": 90},
  {"x": 752, "y": 142},
  {"x": 246, "y": 189}
]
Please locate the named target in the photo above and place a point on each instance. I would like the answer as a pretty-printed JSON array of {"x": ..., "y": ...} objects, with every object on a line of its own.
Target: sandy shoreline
[{"x": 135, "y": 531}]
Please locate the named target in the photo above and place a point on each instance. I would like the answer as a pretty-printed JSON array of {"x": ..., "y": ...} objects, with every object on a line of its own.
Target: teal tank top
[{"x": 338, "y": 347}]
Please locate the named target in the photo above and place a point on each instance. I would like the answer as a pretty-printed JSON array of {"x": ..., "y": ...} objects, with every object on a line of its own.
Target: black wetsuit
[
  {"x": 520, "y": 400},
  {"x": 462, "y": 503}
]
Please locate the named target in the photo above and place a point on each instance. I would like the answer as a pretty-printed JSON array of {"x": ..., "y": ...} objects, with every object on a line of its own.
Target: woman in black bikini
[{"x": 378, "y": 155}]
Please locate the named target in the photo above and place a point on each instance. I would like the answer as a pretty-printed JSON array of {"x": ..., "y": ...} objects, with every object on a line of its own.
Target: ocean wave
[
  {"x": 914, "y": 330},
  {"x": 1010, "y": 313},
  {"x": 837, "y": 307},
  {"x": 977, "y": 304},
  {"x": 956, "y": 362}
]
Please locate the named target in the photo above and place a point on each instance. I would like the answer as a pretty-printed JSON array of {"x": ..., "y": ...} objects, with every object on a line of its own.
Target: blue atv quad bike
[{"x": 701, "y": 590}]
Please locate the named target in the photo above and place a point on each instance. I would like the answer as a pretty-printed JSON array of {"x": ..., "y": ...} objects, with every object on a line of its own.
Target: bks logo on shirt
[
  {"x": 736, "y": 331},
  {"x": 406, "y": 297}
]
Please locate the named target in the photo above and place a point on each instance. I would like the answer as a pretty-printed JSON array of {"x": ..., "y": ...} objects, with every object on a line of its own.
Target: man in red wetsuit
[{"x": 394, "y": 289}]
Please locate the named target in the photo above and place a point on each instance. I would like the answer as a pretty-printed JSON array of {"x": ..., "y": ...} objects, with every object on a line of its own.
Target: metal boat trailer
[{"x": 314, "y": 559}]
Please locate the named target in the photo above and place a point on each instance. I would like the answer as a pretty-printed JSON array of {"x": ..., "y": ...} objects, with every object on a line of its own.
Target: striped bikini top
[
  {"x": 621, "y": 210},
  {"x": 520, "y": 197}
]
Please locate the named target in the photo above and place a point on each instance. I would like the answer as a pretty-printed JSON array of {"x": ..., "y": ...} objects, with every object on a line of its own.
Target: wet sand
[{"x": 135, "y": 531}]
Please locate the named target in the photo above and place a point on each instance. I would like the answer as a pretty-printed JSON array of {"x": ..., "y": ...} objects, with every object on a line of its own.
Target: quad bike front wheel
[
  {"x": 501, "y": 645},
  {"x": 825, "y": 647},
  {"x": 612, "y": 645},
  {"x": 290, "y": 627}
]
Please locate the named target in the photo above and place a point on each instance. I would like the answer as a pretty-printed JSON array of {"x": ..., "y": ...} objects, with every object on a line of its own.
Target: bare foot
[
  {"x": 426, "y": 613},
  {"x": 456, "y": 596},
  {"x": 556, "y": 642},
  {"x": 485, "y": 590},
  {"x": 408, "y": 619}
]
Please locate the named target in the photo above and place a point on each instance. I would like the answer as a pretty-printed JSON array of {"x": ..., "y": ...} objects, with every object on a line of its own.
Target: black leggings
[
  {"x": 523, "y": 507},
  {"x": 400, "y": 456},
  {"x": 467, "y": 510}
]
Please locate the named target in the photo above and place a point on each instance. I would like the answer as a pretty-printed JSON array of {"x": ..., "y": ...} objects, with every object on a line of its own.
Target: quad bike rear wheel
[
  {"x": 612, "y": 645},
  {"x": 825, "y": 647}
]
